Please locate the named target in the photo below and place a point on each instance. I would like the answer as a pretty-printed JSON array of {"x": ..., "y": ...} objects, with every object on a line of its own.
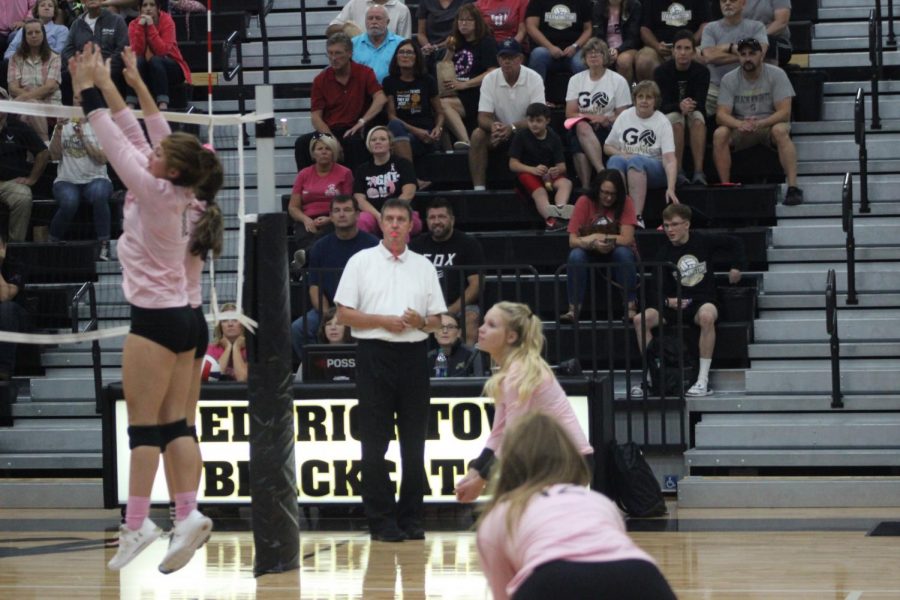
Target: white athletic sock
[
  {"x": 478, "y": 188},
  {"x": 704, "y": 370}
]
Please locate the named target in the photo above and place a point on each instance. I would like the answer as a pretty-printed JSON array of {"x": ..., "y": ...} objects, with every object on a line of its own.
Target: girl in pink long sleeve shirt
[
  {"x": 157, "y": 358},
  {"x": 513, "y": 336},
  {"x": 545, "y": 535}
]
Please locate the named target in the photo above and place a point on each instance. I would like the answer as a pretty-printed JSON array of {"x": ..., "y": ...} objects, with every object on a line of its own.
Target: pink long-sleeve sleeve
[
  {"x": 548, "y": 398},
  {"x": 154, "y": 242}
]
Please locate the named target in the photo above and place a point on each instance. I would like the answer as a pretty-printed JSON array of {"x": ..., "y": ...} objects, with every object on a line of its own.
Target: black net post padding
[{"x": 273, "y": 477}]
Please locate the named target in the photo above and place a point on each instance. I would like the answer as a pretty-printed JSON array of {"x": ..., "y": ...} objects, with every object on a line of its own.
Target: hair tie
[{"x": 209, "y": 147}]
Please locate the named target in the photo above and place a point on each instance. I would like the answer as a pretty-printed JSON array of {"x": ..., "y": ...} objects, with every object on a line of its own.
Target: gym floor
[{"x": 788, "y": 554}]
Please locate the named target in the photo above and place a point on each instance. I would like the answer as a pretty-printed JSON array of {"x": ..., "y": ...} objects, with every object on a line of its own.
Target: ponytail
[
  {"x": 210, "y": 229},
  {"x": 524, "y": 353}
]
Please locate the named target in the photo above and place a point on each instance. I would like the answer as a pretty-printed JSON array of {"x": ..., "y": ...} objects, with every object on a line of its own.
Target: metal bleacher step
[
  {"x": 839, "y": 167},
  {"x": 55, "y": 461},
  {"x": 809, "y": 326},
  {"x": 843, "y": 147},
  {"x": 64, "y": 387},
  {"x": 819, "y": 190},
  {"x": 31, "y": 409},
  {"x": 82, "y": 359},
  {"x": 816, "y": 299},
  {"x": 783, "y": 492},
  {"x": 841, "y": 108},
  {"x": 859, "y": 58},
  {"x": 781, "y": 457},
  {"x": 811, "y": 376},
  {"x": 52, "y": 435},
  {"x": 793, "y": 403},
  {"x": 808, "y": 278},
  {"x": 868, "y": 231},
  {"x": 833, "y": 254},
  {"x": 52, "y": 492},
  {"x": 798, "y": 431},
  {"x": 794, "y": 349}
]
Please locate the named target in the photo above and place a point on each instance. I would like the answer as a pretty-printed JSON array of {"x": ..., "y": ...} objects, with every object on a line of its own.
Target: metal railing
[
  {"x": 859, "y": 134},
  {"x": 265, "y": 7},
  {"x": 233, "y": 45},
  {"x": 876, "y": 59},
  {"x": 91, "y": 325},
  {"x": 891, "y": 41},
  {"x": 613, "y": 341},
  {"x": 604, "y": 340},
  {"x": 850, "y": 243},
  {"x": 831, "y": 324},
  {"x": 304, "y": 34}
]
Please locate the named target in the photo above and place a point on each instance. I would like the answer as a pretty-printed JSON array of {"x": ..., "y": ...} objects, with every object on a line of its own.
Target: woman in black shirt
[
  {"x": 385, "y": 176},
  {"x": 474, "y": 55}
]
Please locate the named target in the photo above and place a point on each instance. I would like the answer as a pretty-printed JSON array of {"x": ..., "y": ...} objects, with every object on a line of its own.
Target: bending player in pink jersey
[
  {"x": 158, "y": 355},
  {"x": 545, "y": 535},
  {"x": 514, "y": 338}
]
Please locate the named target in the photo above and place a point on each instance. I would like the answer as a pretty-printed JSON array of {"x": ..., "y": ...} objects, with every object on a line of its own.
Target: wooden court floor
[{"x": 730, "y": 554}]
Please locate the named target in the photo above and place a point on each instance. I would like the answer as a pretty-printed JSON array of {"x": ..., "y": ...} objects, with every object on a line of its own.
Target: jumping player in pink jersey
[{"x": 158, "y": 355}]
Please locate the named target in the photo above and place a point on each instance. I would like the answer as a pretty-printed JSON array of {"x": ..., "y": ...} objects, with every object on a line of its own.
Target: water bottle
[{"x": 440, "y": 364}]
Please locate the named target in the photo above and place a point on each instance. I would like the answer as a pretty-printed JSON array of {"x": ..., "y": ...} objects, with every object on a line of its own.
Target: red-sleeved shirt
[
  {"x": 343, "y": 105},
  {"x": 589, "y": 212},
  {"x": 160, "y": 39}
]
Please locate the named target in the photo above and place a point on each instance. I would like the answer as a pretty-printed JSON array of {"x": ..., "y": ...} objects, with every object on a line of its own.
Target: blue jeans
[
  {"x": 402, "y": 133},
  {"x": 624, "y": 274},
  {"x": 542, "y": 62},
  {"x": 651, "y": 167},
  {"x": 304, "y": 331},
  {"x": 68, "y": 195}
]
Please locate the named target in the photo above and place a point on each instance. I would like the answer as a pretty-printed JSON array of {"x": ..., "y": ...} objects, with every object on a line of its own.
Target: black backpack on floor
[
  {"x": 632, "y": 482},
  {"x": 670, "y": 379}
]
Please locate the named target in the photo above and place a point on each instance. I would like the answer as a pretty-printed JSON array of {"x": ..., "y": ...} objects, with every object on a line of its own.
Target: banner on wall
[{"x": 327, "y": 451}]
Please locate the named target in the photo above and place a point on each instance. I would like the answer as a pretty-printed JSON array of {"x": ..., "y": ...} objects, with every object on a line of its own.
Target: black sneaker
[
  {"x": 682, "y": 179},
  {"x": 793, "y": 197},
  {"x": 389, "y": 533}
]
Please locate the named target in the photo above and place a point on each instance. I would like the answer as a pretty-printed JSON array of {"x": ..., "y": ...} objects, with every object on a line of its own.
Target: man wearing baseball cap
[
  {"x": 505, "y": 95},
  {"x": 755, "y": 108}
]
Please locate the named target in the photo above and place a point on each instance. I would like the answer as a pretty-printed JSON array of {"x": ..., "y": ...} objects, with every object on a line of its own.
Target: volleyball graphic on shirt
[
  {"x": 691, "y": 270},
  {"x": 560, "y": 17}
]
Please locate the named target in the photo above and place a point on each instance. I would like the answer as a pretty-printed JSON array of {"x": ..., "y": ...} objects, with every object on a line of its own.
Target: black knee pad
[
  {"x": 171, "y": 431},
  {"x": 192, "y": 429},
  {"x": 144, "y": 435}
]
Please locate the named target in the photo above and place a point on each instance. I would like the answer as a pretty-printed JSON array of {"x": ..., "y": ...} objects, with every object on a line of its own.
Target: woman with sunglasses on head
[
  {"x": 544, "y": 534},
  {"x": 514, "y": 338},
  {"x": 474, "y": 55},
  {"x": 414, "y": 109},
  {"x": 158, "y": 355}
]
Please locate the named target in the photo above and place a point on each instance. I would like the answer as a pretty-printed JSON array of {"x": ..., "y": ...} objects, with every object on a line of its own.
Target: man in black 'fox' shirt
[{"x": 692, "y": 253}]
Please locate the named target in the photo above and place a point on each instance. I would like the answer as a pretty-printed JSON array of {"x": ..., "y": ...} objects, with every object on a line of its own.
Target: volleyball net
[{"x": 59, "y": 286}]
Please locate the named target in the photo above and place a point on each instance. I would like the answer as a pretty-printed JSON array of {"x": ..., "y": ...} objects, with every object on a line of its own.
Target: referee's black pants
[{"x": 392, "y": 379}]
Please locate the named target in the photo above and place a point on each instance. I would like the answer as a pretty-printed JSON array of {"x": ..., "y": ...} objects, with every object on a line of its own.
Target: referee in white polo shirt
[{"x": 391, "y": 299}]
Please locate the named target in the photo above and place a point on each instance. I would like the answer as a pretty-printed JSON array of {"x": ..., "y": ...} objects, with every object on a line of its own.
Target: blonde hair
[
  {"x": 525, "y": 352},
  {"x": 217, "y": 330},
  {"x": 332, "y": 144},
  {"x": 378, "y": 128},
  {"x": 537, "y": 453}
]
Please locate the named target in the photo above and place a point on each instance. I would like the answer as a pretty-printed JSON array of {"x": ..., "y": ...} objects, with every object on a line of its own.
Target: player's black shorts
[
  {"x": 173, "y": 328},
  {"x": 202, "y": 332}
]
